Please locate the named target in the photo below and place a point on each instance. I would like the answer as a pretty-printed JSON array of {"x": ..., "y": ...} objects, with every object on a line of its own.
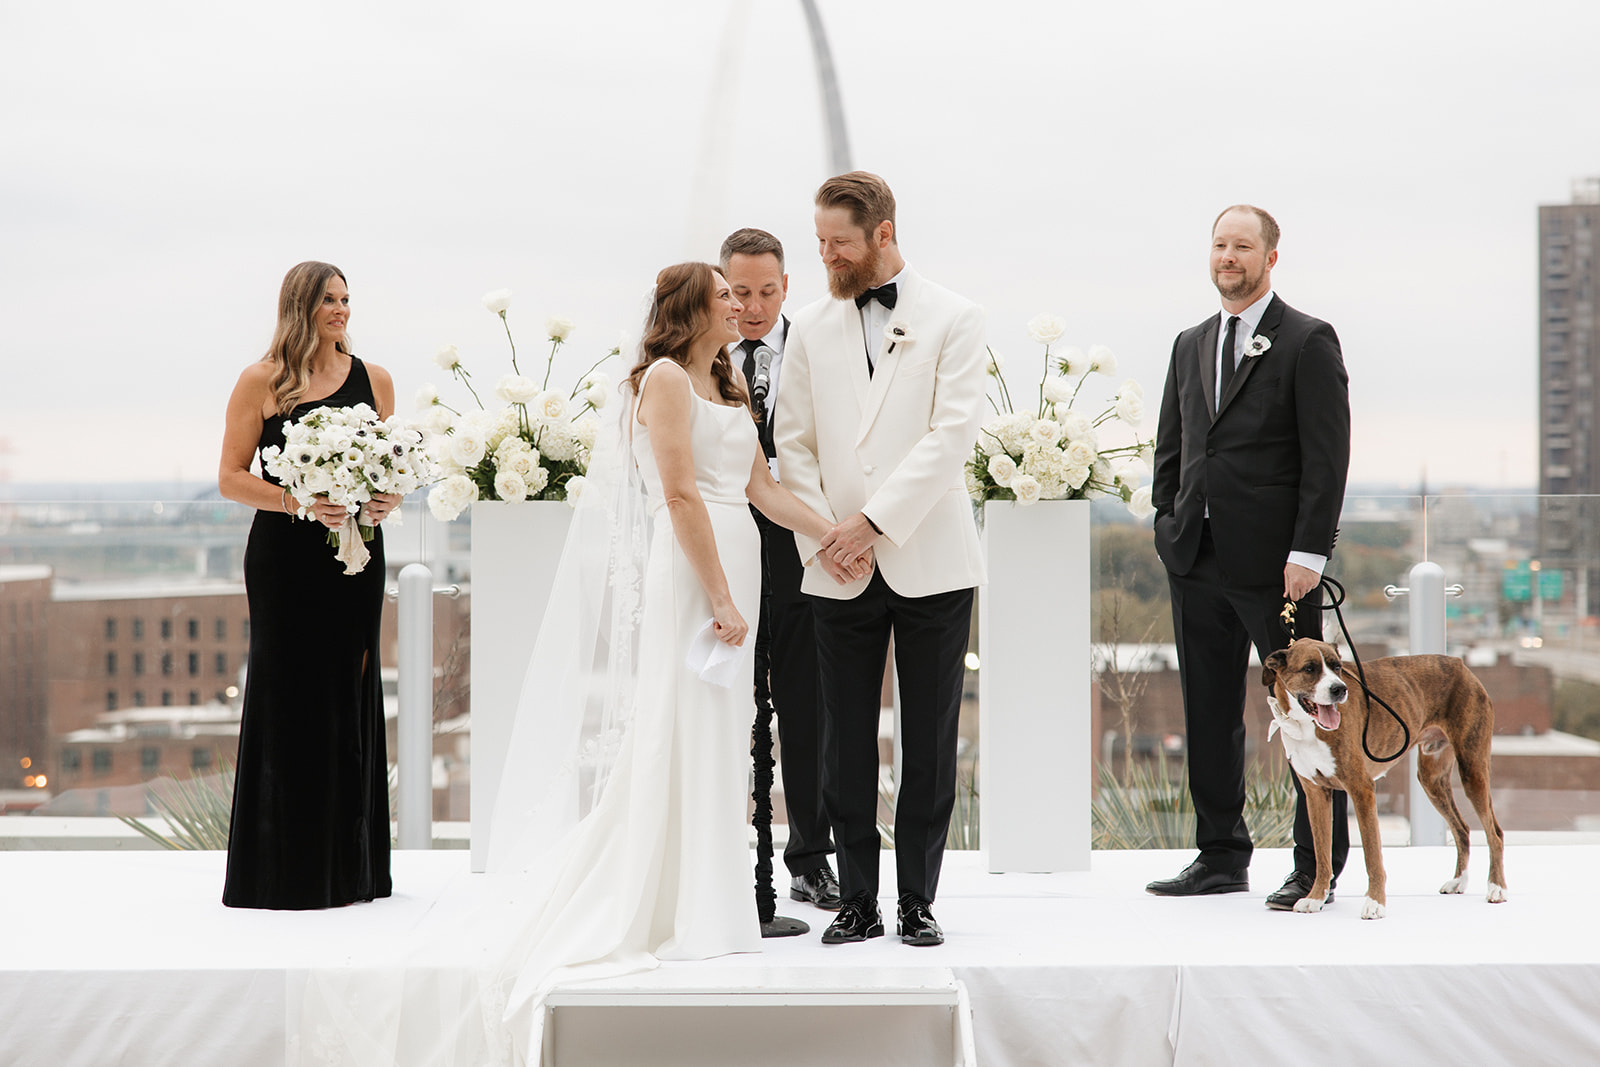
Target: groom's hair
[
  {"x": 866, "y": 196},
  {"x": 750, "y": 242},
  {"x": 1269, "y": 225}
]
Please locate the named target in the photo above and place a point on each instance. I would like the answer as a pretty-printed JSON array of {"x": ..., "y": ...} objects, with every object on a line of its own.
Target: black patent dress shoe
[
  {"x": 1198, "y": 880},
  {"x": 818, "y": 887},
  {"x": 858, "y": 919},
  {"x": 915, "y": 923},
  {"x": 1294, "y": 889}
]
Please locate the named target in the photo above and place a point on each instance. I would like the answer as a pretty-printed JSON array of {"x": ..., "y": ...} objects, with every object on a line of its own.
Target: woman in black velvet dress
[{"x": 311, "y": 800}]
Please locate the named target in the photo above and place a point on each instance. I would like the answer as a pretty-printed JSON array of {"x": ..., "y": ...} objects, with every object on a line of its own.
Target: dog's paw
[
  {"x": 1497, "y": 894},
  {"x": 1371, "y": 909},
  {"x": 1455, "y": 885},
  {"x": 1307, "y": 906}
]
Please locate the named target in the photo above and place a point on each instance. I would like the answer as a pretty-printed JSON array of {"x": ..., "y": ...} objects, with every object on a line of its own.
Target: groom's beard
[{"x": 856, "y": 278}]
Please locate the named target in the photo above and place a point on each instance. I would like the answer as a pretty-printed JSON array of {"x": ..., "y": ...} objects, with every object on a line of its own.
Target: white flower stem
[
  {"x": 549, "y": 364},
  {"x": 507, "y": 324},
  {"x": 461, "y": 372},
  {"x": 588, "y": 372}
]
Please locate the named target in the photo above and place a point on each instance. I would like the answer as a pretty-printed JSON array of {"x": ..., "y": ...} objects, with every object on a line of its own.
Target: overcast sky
[{"x": 162, "y": 164}]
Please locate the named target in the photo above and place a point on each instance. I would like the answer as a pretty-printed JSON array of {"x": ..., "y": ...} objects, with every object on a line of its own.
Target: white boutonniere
[
  {"x": 898, "y": 333},
  {"x": 1258, "y": 345}
]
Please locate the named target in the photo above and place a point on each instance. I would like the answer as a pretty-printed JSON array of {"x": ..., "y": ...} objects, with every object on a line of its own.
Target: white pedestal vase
[
  {"x": 1034, "y": 748},
  {"x": 515, "y": 549}
]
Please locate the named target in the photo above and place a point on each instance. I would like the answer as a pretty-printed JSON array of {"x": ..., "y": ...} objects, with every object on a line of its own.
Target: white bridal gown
[{"x": 658, "y": 869}]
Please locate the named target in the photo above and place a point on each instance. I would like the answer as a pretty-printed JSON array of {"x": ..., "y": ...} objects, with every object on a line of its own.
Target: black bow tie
[{"x": 884, "y": 294}]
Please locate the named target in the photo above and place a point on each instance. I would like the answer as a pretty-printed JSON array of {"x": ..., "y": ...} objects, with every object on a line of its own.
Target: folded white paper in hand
[{"x": 714, "y": 661}]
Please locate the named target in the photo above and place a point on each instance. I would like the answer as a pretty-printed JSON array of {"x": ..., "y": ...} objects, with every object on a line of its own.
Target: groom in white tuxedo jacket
[{"x": 881, "y": 403}]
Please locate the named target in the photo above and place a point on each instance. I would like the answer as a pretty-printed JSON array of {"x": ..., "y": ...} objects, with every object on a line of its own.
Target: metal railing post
[
  {"x": 1427, "y": 592},
  {"x": 414, "y": 760}
]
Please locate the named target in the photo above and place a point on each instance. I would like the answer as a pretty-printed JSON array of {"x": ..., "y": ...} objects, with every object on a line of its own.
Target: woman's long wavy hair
[
  {"x": 681, "y": 312},
  {"x": 295, "y": 340}
]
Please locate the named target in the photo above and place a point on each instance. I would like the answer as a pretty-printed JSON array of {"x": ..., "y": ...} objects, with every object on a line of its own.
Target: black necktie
[
  {"x": 885, "y": 294},
  {"x": 750, "y": 361},
  {"x": 1228, "y": 358}
]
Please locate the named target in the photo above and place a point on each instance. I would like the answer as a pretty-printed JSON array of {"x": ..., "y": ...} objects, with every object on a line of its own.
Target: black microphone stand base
[{"x": 783, "y": 926}]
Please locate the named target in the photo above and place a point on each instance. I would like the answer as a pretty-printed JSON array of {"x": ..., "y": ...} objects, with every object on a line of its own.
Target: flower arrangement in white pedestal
[
  {"x": 1055, "y": 452},
  {"x": 535, "y": 448}
]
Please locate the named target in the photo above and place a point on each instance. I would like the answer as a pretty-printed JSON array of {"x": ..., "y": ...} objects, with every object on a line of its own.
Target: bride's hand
[{"x": 728, "y": 625}]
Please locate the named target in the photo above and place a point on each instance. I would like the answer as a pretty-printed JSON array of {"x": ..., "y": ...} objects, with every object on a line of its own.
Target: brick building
[{"x": 24, "y": 705}]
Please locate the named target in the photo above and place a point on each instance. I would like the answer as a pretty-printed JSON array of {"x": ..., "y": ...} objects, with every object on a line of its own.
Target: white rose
[
  {"x": 586, "y": 430},
  {"x": 1079, "y": 453},
  {"x": 597, "y": 395},
  {"x": 1056, "y": 390},
  {"x": 1103, "y": 360},
  {"x": 1072, "y": 362},
  {"x": 450, "y": 497},
  {"x": 1046, "y": 329},
  {"x": 1003, "y": 469},
  {"x": 448, "y": 357},
  {"x": 497, "y": 300},
  {"x": 1132, "y": 471},
  {"x": 516, "y": 389},
  {"x": 510, "y": 486},
  {"x": 1075, "y": 476},
  {"x": 1045, "y": 432},
  {"x": 575, "y": 487},
  {"x": 1026, "y": 487},
  {"x": 550, "y": 405},
  {"x": 1131, "y": 387},
  {"x": 427, "y": 396},
  {"x": 994, "y": 364},
  {"x": 600, "y": 378},
  {"x": 1139, "y": 505},
  {"x": 1130, "y": 408},
  {"x": 1076, "y": 425},
  {"x": 438, "y": 420},
  {"x": 467, "y": 446},
  {"x": 557, "y": 328}
]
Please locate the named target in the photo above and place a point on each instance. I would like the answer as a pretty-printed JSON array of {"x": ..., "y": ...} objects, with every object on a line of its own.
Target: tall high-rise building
[{"x": 1569, "y": 389}]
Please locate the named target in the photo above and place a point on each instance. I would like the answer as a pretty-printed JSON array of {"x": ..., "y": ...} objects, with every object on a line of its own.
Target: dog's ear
[{"x": 1269, "y": 670}]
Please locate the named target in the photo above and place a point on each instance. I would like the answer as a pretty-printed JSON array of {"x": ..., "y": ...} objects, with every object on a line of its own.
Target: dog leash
[{"x": 1336, "y": 596}]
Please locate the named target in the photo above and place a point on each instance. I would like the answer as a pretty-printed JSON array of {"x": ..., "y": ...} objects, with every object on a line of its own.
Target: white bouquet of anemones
[
  {"x": 1055, "y": 452},
  {"x": 535, "y": 448},
  {"x": 348, "y": 455}
]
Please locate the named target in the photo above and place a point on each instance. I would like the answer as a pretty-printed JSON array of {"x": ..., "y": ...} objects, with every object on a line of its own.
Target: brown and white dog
[{"x": 1319, "y": 707}]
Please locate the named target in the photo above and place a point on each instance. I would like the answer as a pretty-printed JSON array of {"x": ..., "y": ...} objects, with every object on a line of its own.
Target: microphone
[{"x": 758, "y": 387}]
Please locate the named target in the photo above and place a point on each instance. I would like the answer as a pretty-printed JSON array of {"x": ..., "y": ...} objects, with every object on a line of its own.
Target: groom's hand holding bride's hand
[{"x": 849, "y": 545}]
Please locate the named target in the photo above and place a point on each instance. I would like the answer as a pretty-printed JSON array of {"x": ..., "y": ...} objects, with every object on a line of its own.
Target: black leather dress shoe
[
  {"x": 1295, "y": 888},
  {"x": 818, "y": 887},
  {"x": 915, "y": 923},
  {"x": 858, "y": 919},
  {"x": 1198, "y": 880}
]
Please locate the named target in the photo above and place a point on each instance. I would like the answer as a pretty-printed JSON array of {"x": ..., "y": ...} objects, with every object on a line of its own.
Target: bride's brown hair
[
  {"x": 295, "y": 339},
  {"x": 679, "y": 313}
]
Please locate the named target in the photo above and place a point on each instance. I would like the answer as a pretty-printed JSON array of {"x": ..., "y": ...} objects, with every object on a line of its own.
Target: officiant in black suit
[
  {"x": 752, "y": 263},
  {"x": 1252, "y": 450}
]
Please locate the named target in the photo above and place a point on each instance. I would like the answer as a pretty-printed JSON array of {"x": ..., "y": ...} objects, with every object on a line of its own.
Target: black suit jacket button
[{"x": 1211, "y": 451}]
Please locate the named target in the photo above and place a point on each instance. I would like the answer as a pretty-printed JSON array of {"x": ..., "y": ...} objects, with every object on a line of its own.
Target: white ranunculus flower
[
  {"x": 537, "y": 479},
  {"x": 1139, "y": 506},
  {"x": 1130, "y": 408},
  {"x": 558, "y": 328},
  {"x": 438, "y": 420},
  {"x": 600, "y": 378},
  {"x": 517, "y": 389},
  {"x": 1075, "y": 476},
  {"x": 1102, "y": 360},
  {"x": 1072, "y": 362},
  {"x": 1131, "y": 386},
  {"x": 1132, "y": 471},
  {"x": 448, "y": 357},
  {"x": 575, "y": 487},
  {"x": 1046, "y": 329},
  {"x": 1057, "y": 390},
  {"x": 1079, "y": 453},
  {"x": 509, "y": 485},
  {"x": 468, "y": 445},
  {"x": 1045, "y": 432},
  {"x": 1002, "y": 469},
  {"x": 427, "y": 396},
  {"x": 597, "y": 395},
  {"x": 550, "y": 405},
  {"x": 1076, "y": 425},
  {"x": 451, "y": 496},
  {"x": 586, "y": 430},
  {"x": 1026, "y": 487},
  {"x": 497, "y": 300},
  {"x": 994, "y": 364}
]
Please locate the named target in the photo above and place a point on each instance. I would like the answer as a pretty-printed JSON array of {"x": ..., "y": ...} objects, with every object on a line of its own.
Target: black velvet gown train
[{"x": 311, "y": 800}]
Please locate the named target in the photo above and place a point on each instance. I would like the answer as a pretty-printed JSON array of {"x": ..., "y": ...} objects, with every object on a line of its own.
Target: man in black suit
[
  {"x": 1251, "y": 456},
  {"x": 752, "y": 262}
]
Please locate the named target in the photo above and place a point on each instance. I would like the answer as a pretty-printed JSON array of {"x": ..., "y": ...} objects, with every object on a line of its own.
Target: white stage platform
[{"x": 129, "y": 959}]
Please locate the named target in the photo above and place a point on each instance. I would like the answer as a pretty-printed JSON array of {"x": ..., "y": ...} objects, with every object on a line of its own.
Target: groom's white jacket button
[{"x": 868, "y": 469}]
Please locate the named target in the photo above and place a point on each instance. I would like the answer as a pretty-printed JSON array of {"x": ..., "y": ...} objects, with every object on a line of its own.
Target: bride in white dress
[{"x": 659, "y": 867}]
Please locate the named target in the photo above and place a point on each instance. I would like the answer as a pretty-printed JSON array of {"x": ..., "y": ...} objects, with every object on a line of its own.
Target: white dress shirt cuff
[{"x": 1309, "y": 560}]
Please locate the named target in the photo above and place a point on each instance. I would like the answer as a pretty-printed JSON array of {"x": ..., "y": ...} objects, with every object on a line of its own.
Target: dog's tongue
[{"x": 1327, "y": 716}]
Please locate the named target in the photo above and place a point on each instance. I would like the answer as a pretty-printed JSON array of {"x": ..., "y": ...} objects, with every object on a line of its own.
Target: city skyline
[{"x": 171, "y": 162}]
